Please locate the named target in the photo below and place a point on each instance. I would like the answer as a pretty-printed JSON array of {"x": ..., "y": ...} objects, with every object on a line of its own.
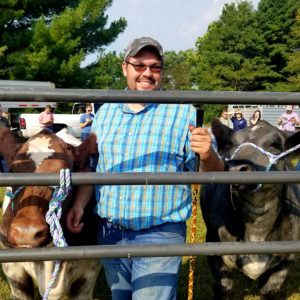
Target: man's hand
[
  {"x": 201, "y": 143},
  {"x": 73, "y": 218}
]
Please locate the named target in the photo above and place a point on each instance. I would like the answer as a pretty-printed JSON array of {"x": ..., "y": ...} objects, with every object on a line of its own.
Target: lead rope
[
  {"x": 272, "y": 157},
  {"x": 52, "y": 218}
]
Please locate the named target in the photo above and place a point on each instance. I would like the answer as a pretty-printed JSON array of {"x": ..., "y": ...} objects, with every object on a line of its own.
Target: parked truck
[{"x": 27, "y": 124}]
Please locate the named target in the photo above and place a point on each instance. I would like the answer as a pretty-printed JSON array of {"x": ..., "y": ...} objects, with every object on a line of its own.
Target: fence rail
[
  {"x": 248, "y": 178},
  {"x": 158, "y": 250},
  {"x": 122, "y": 96}
]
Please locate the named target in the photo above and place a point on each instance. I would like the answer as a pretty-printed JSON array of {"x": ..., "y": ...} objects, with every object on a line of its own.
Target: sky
[{"x": 176, "y": 24}]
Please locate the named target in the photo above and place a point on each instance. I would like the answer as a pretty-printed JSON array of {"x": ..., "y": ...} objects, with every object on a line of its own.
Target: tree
[
  {"x": 48, "y": 39},
  {"x": 107, "y": 72},
  {"x": 177, "y": 69},
  {"x": 230, "y": 55},
  {"x": 276, "y": 19}
]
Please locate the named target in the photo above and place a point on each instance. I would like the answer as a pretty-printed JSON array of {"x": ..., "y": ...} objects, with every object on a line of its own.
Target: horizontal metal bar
[
  {"x": 158, "y": 250},
  {"x": 272, "y": 177},
  {"x": 126, "y": 96}
]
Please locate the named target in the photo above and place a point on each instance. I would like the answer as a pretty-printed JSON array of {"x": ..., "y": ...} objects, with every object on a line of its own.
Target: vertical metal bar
[{"x": 199, "y": 123}]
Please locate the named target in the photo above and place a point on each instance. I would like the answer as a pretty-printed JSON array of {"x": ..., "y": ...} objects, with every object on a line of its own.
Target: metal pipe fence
[
  {"x": 157, "y": 250},
  {"x": 126, "y": 96},
  {"x": 182, "y": 97},
  {"x": 248, "y": 178}
]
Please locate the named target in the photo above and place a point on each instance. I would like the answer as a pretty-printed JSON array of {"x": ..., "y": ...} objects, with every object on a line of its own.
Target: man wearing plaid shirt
[{"x": 144, "y": 138}]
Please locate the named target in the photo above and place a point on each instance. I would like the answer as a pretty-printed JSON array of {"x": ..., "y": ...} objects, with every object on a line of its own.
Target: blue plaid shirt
[{"x": 156, "y": 139}]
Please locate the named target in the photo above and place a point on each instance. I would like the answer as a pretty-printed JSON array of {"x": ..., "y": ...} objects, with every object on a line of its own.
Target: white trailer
[{"x": 21, "y": 84}]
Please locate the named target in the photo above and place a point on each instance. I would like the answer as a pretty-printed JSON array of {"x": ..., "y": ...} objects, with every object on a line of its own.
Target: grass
[{"x": 245, "y": 288}]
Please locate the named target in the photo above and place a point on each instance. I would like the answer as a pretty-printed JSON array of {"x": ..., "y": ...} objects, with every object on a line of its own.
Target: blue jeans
[
  {"x": 84, "y": 136},
  {"x": 3, "y": 165},
  {"x": 143, "y": 278},
  {"x": 49, "y": 128}
]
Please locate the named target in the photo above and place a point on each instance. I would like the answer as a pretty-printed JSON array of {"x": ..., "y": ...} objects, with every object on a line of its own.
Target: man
[
  {"x": 224, "y": 119},
  {"x": 3, "y": 123},
  {"x": 46, "y": 118},
  {"x": 144, "y": 138},
  {"x": 288, "y": 120},
  {"x": 86, "y": 121}
]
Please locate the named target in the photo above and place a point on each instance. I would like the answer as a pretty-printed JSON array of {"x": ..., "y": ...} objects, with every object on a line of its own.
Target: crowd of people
[{"x": 235, "y": 120}]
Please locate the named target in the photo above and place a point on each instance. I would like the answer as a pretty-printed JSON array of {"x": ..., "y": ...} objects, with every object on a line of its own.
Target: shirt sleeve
[{"x": 189, "y": 154}]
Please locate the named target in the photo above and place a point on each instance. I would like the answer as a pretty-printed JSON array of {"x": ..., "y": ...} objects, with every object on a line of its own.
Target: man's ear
[{"x": 124, "y": 68}]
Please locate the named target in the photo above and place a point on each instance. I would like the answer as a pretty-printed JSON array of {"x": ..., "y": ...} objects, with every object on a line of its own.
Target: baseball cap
[
  {"x": 137, "y": 45},
  {"x": 289, "y": 107}
]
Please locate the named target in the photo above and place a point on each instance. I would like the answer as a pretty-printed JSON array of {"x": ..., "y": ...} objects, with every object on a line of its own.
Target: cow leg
[
  {"x": 20, "y": 282},
  {"x": 82, "y": 288},
  {"x": 271, "y": 282},
  {"x": 223, "y": 281}
]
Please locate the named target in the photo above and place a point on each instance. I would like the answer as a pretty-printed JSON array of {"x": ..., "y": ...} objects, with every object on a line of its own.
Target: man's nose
[{"x": 148, "y": 71}]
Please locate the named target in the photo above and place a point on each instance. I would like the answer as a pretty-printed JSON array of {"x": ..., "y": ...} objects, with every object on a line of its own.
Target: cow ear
[
  {"x": 223, "y": 136},
  {"x": 8, "y": 145},
  {"x": 83, "y": 152}
]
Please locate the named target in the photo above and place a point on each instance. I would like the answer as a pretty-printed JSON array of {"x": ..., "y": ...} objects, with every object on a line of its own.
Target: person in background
[
  {"x": 46, "y": 118},
  {"x": 86, "y": 121},
  {"x": 139, "y": 137},
  {"x": 255, "y": 118},
  {"x": 3, "y": 123},
  {"x": 238, "y": 121},
  {"x": 224, "y": 119},
  {"x": 288, "y": 120}
]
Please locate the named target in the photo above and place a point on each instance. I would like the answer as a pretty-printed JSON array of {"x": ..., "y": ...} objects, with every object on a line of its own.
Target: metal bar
[
  {"x": 248, "y": 178},
  {"x": 122, "y": 96},
  {"x": 157, "y": 250}
]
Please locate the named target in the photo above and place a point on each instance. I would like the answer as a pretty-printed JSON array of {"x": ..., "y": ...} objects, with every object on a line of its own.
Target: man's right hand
[{"x": 73, "y": 218}]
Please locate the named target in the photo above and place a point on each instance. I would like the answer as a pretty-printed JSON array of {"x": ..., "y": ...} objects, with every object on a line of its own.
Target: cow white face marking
[
  {"x": 254, "y": 269},
  {"x": 39, "y": 149}
]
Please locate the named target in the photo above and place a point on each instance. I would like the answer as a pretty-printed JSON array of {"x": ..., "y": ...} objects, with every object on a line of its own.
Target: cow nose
[
  {"x": 28, "y": 235},
  {"x": 241, "y": 168}
]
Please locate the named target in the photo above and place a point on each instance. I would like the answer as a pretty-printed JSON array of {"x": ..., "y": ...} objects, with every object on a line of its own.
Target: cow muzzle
[{"x": 28, "y": 233}]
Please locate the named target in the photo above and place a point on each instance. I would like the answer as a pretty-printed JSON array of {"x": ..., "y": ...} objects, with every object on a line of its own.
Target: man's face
[
  {"x": 146, "y": 80},
  {"x": 48, "y": 110}
]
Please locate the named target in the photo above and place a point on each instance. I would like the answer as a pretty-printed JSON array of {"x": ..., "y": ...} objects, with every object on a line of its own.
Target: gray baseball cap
[{"x": 137, "y": 45}]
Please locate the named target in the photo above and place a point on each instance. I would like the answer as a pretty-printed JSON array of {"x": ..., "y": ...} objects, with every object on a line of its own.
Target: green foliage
[
  {"x": 277, "y": 20},
  {"x": 177, "y": 69},
  {"x": 107, "y": 72},
  {"x": 250, "y": 50},
  {"x": 48, "y": 40},
  {"x": 229, "y": 56}
]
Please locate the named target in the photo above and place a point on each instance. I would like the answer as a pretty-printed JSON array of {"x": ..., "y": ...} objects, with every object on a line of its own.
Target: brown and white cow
[
  {"x": 24, "y": 226},
  {"x": 251, "y": 213}
]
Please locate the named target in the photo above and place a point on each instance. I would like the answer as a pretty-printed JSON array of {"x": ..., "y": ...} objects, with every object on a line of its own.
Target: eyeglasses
[
  {"x": 142, "y": 68},
  {"x": 89, "y": 110}
]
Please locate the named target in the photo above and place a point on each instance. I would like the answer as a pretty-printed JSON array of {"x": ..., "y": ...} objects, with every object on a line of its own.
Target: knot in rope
[
  {"x": 52, "y": 218},
  {"x": 272, "y": 157}
]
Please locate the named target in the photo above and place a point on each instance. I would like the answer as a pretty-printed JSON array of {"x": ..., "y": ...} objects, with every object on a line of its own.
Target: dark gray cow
[{"x": 245, "y": 213}]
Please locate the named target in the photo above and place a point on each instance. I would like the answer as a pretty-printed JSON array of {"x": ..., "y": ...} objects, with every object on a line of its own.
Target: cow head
[
  {"x": 248, "y": 158},
  {"x": 25, "y": 225}
]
